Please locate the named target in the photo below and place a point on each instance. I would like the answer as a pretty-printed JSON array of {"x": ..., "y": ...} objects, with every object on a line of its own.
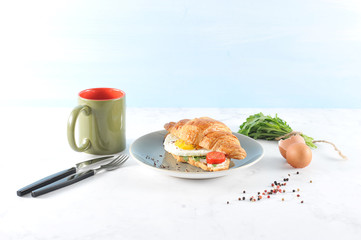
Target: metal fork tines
[{"x": 114, "y": 164}]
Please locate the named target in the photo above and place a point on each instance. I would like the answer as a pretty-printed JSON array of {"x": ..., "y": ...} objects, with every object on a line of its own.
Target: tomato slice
[{"x": 215, "y": 157}]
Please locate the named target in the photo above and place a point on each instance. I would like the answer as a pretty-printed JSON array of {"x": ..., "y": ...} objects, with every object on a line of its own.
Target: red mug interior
[{"x": 101, "y": 94}]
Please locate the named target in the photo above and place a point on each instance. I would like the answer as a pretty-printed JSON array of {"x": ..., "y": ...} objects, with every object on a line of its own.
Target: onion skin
[
  {"x": 284, "y": 144},
  {"x": 299, "y": 155}
]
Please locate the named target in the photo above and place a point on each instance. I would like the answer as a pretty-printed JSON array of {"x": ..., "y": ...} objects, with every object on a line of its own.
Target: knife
[
  {"x": 59, "y": 175},
  {"x": 69, "y": 180}
]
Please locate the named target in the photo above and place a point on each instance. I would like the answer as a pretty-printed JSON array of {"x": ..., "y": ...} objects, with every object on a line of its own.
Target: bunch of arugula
[{"x": 260, "y": 126}]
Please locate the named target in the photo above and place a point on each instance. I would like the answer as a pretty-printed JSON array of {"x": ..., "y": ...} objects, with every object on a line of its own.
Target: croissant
[{"x": 208, "y": 133}]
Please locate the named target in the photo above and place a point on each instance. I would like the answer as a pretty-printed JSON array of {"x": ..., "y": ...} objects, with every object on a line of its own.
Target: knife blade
[{"x": 59, "y": 175}]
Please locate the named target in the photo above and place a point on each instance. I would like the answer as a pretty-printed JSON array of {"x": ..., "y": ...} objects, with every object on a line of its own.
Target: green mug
[{"x": 100, "y": 117}]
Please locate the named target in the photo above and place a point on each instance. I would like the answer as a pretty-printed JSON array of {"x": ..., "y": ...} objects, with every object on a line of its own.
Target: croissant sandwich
[{"x": 203, "y": 142}]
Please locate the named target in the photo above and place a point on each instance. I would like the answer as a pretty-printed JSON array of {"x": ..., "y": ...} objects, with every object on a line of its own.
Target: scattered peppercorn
[
  {"x": 227, "y": 202},
  {"x": 276, "y": 188}
]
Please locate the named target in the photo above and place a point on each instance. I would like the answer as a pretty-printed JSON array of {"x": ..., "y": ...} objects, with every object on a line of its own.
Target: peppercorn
[
  {"x": 310, "y": 181},
  {"x": 298, "y": 172},
  {"x": 244, "y": 191},
  {"x": 239, "y": 199},
  {"x": 243, "y": 198},
  {"x": 301, "y": 201},
  {"x": 283, "y": 199},
  {"x": 293, "y": 190},
  {"x": 227, "y": 202},
  {"x": 298, "y": 195}
]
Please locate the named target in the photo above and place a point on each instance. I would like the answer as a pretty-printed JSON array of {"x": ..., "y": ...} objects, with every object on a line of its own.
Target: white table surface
[{"x": 135, "y": 202}]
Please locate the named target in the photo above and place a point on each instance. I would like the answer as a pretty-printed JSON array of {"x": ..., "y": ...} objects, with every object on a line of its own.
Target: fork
[{"x": 116, "y": 163}]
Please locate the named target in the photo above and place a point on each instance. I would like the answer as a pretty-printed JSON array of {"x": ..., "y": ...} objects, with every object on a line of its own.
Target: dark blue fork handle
[
  {"x": 63, "y": 183},
  {"x": 46, "y": 181}
]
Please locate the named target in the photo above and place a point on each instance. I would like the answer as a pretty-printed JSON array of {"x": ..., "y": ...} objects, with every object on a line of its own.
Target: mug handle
[{"x": 71, "y": 127}]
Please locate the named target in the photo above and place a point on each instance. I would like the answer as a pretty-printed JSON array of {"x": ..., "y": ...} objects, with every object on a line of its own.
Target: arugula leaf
[
  {"x": 185, "y": 158},
  {"x": 309, "y": 141},
  {"x": 196, "y": 158},
  {"x": 260, "y": 126}
]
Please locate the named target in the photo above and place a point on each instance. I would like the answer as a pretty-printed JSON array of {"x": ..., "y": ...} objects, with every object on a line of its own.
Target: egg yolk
[{"x": 181, "y": 144}]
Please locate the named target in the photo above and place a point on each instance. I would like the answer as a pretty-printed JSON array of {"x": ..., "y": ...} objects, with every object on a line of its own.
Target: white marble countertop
[{"x": 135, "y": 202}]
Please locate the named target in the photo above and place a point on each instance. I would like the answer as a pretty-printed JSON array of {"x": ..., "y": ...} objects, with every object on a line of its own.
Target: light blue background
[{"x": 183, "y": 53}]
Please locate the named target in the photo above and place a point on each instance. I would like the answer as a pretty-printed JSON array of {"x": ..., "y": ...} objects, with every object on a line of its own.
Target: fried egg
[{"x": 176, "y": 146}]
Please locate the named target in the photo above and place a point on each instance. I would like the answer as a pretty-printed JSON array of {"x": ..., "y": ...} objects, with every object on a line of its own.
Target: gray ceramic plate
[{"x": 149, "y": 151}]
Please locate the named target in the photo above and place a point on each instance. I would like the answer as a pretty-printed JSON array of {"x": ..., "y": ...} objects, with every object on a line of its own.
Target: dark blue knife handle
[
  {"x": 45, "y": 181},
  {"x": 63, "y": 183}
]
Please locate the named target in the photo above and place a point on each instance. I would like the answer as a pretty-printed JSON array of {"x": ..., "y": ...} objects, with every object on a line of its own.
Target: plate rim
[{"x": 216, "y": 174}]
